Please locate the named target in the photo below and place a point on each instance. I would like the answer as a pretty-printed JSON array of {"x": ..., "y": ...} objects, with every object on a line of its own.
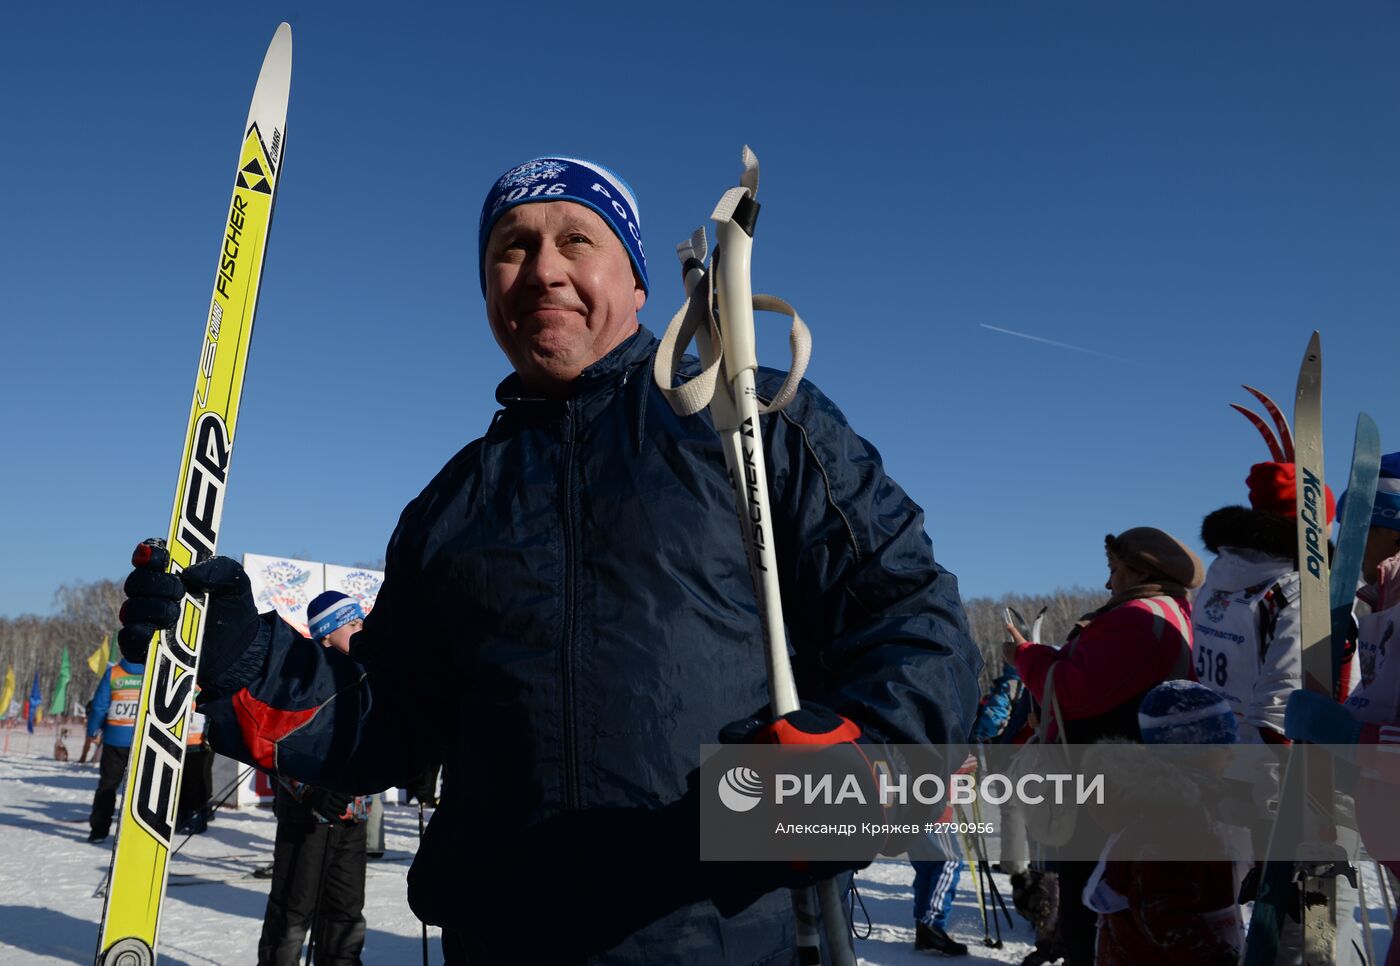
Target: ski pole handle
[
  {"x": 735, "y": 254},
  {"x": 735, "y": 217}
]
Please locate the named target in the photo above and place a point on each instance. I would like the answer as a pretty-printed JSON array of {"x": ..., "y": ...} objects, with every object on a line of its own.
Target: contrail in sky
[{"x": 1062, "y": 345}]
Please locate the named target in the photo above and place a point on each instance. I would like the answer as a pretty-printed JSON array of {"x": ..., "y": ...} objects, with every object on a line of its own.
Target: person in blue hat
[
  {"x": 333, "y": 618},
  {"x": 567, "y": 617},
  {"x": 318, "y": 867},
  {"x": 1383, "y": 538},
  {"x": 1160, "y": 913}
]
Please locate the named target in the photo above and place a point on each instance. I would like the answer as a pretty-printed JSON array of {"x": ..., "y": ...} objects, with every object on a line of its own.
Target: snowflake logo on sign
[
  {"x": 284, "y": 586},
  {"x": 363, "y": 586},
  {"x": 530, "y": 172}
]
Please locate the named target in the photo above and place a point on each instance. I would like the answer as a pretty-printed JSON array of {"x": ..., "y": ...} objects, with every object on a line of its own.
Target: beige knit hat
[{"x": 1158, "y": 554}]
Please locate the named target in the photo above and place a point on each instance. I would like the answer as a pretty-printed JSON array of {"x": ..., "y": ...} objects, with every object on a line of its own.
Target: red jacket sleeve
[{"x": 1118, "y": 655}]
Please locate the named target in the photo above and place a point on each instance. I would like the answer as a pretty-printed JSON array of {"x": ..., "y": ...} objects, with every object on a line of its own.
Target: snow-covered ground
[{"x": 49, "y": 913}]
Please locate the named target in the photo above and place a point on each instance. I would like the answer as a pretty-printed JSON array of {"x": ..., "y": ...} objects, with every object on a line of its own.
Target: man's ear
[{"x": 639, "y": 297}]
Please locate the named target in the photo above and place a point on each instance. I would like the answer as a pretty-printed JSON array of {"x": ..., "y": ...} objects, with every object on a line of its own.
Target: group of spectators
[{"x": 1182, "y": 654}]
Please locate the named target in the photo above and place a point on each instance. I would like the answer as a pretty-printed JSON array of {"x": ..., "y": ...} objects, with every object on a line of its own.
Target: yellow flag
[
  {"x": 8, "y": 693},
  {"x": 99, "y": 657}
]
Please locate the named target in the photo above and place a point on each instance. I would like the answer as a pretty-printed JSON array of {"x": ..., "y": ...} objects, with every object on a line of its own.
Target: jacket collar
[{"x": 599, "y": 377}]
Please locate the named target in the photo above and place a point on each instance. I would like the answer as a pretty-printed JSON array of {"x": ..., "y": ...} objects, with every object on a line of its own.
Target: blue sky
[{"x": 1187, "y": 189}]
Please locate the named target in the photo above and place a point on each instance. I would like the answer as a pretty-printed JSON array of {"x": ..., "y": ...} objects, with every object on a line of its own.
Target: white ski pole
[
  {"x": 744, "y": 453},
  {"x": 1364, "y": 911},
  {"x": 1385, "y": 892},
  {"x": 729, "y": 358}
]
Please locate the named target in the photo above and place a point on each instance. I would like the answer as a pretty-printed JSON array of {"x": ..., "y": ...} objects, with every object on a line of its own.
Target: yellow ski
[{"x": 136, "y": 890}]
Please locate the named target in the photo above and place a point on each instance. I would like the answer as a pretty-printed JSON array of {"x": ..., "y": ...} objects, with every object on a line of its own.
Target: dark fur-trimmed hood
[{"x": 1247, "y": 529}]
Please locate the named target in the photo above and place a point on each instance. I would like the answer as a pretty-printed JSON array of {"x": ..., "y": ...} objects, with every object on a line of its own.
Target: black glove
[
  {"x": 334, "y": 807},
  {"x": 845, "y": 749},
  {"x": 231, "y": 621},
  {"x": 812, "y": 724},
  {"x": 152, "y": 600},
  {"x": 153, "y": 603},
  {"x": 815, "y": 726}
]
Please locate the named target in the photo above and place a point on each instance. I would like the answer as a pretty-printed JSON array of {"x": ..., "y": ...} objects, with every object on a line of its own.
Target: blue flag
[{"x": 36, "y": 698}]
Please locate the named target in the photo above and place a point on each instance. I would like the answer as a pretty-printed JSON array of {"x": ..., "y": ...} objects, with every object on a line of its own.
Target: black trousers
[
  {"x": 197, "y": 784},
  {"x": 318, "y": 872},
  {"x": 110, "y": 773},
  {"x": 424, "y": 786},
  {"x": 1078, "y": 927}
]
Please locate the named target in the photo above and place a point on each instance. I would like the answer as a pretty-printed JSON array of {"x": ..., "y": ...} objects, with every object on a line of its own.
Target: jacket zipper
[{"x": 571, "y": 790}]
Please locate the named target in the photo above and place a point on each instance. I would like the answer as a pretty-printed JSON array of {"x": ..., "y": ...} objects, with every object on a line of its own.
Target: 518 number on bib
[{"x": 1212, "y": 666}]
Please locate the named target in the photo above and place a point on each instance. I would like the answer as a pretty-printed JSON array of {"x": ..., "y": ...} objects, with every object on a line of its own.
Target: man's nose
[{"x": 546, "y": 268}]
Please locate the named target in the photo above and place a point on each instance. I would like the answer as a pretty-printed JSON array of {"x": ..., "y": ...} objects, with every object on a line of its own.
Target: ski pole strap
[
  {"x": 690, "y": 397},
  {"x": 697, "y": 314},
  {"x": 747, "y": 187},
  {"x": 729, "y": 203},
  {"x": 800, "y": 341},
  {"x": 1051, "y": 713}
]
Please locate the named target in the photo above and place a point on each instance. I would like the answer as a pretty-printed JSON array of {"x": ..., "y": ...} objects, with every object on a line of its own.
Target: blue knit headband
[
  {"x": 331, "y": 611},
  {"x": 1385, "y": 511},
  {"x": 566, "y": 179}
]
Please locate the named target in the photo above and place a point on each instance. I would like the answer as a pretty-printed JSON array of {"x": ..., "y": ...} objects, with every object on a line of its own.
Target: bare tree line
[
  {"x": 88, "y": 611},
  {"x": 85, "y": 613}
]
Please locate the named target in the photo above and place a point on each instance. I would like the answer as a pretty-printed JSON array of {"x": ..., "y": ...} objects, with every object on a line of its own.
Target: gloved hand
[
  {"x": 846, "y": 750},
  {"x": 153, "y": 602},
  {"x": 812, "y": 724},
  {"x": 1317, "y": 718},
  {"x": 334, "y": 807},
  {"x": 230, "y": 618}
]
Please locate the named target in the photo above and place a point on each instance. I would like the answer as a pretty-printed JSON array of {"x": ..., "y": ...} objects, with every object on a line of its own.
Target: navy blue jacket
[{"x": 566, "y": 608}]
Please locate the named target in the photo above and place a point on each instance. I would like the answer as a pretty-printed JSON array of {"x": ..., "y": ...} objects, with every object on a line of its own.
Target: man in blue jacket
[
  {"x": 113, "y": 715},
  {"x": 567, "y": 616}
]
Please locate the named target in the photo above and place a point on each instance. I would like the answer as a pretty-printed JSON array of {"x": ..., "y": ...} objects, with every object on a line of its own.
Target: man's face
[
  {"x": 340, "y": 637},
  {"x": 560, "y": 293}
]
